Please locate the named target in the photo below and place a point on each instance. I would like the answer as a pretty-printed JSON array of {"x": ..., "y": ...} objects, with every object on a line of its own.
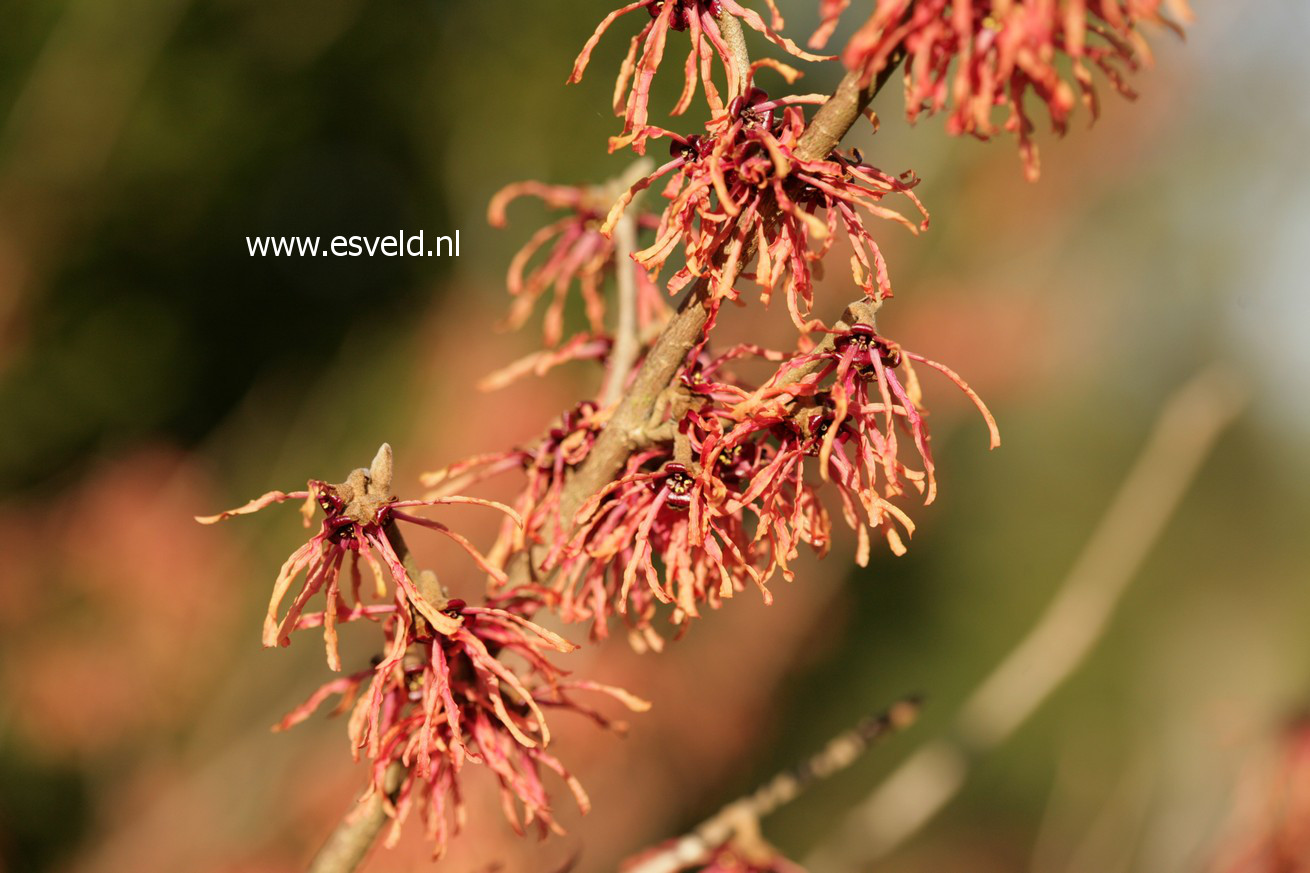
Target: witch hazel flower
[
  {"x": 567, "y": 252},
  {"x": 784, "y": 516},
  {"x": 970, "y": 59},
  {"x": 849, "y": 403},
  {"x": 660, "y": 534},
  {"x": 839, "y": 188},
  {"x": 787, "y": 500},
  {"x": 545, "y": 465},
  {"x": 357, "y": 519},
  {"x": 872, "y": 380},
  {"x": 741, "y": 189},
  {"x": 749, "y": 138},
  {"x": 701, "y": 19},
  {"x": 476, "y": 695}
]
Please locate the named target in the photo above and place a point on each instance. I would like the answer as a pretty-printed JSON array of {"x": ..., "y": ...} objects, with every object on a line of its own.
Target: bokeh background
[{"x": 151, "y": 370}]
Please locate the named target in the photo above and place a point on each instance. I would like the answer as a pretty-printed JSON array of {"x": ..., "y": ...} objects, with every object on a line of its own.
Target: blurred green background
[{"x": 151, "y": 370}]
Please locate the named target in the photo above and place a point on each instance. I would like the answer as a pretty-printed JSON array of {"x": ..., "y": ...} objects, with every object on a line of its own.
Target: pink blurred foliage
[
  {"x": 1270, "y": 826},
  {"x": 114, "y": 603},
  {"x": 996, "y": 338},
  {"x": 231, "y": 803}
]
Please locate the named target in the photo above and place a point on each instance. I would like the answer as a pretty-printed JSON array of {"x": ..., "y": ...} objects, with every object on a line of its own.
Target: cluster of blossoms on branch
[
  {"x": 967, "y": 59},
  {"x": 455, "y": 683},
  {"x": 643, "y": 505}
]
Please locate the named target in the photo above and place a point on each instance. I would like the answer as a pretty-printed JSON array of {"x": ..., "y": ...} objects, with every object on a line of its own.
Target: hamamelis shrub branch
[{"x": 680, "y": 483}]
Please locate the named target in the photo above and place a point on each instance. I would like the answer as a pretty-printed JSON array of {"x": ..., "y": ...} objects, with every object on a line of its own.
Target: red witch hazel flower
[
  {"x": 837, "y": 188},
  {"x": 357, "y": 514},
  {"x": 668, "y": 507},
  {"x": 701, "y": 19},
  {"x": 580, "y": 347},
  {"x": 455, "y": 698},
  {"x": 546, "y": 467},
  {"x": 725, "y": 187},
  {"x": 576, "y": 252},
  {"x": 976, "y": 56},
  {"x": 847, "y": 403}
]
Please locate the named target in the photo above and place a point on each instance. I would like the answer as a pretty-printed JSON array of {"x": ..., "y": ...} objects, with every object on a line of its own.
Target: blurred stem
[
  {"x": 624, "y": 354},
  {"x": 627, "y": 345},
  {"x": 739, "y": 820},
  {"x": 355, "y": 834},
  {"x": 1185, "y": 433}
]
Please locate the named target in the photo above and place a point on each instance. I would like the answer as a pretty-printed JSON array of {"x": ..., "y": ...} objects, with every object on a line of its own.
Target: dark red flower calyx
[
  {"x": 737, "y": 462},
  {"x": 815, "y": 422},
  {"x": 745, "y": 107},
  {"x": 678, "y": 482},
  {"x": 685, "y": 9},
  {"x": 690, "y": 149},
  {"x": 868, "y": 343},
  {"x": 364, "y": 498}
]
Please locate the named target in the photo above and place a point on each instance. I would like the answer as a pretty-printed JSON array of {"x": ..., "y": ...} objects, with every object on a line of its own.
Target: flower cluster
[
  {"x": 451, "y": 699},
  {"x": 455, "y": 683},
  {"x": 575, "y": 252},
  {"x": 742, "y": 189},
  {"x": 727, "y": 486},
  {"x": 356, "y": 517},
  {"x": 702, "y": 20},
  {"x": 724, "y": 485},
  {"x": 968, "y": 59}
]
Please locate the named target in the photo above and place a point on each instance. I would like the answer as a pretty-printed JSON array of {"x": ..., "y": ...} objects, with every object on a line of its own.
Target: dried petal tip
[{"x": 254, "y": 505}]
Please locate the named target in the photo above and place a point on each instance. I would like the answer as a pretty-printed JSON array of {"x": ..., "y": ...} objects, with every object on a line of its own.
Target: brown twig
[
  {"x": 734, "y": 37},
  {"x": 1186, "y": 431},
  {"x": 740, "y": 819},
  {"x": 355, "y": 834}
]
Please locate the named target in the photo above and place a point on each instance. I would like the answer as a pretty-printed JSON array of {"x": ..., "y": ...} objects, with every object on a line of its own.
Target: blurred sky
[{"x": 150, "y": 371}]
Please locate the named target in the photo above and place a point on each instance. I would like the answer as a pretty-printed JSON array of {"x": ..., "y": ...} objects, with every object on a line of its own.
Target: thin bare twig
[
  {"x": 1186, "y": 431},
  {"x": 350, "y": 840},
  {"x": 740, "y": 819}
]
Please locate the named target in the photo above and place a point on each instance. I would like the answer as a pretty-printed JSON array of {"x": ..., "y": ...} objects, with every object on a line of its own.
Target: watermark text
[{"x": 399, "y": 245}]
